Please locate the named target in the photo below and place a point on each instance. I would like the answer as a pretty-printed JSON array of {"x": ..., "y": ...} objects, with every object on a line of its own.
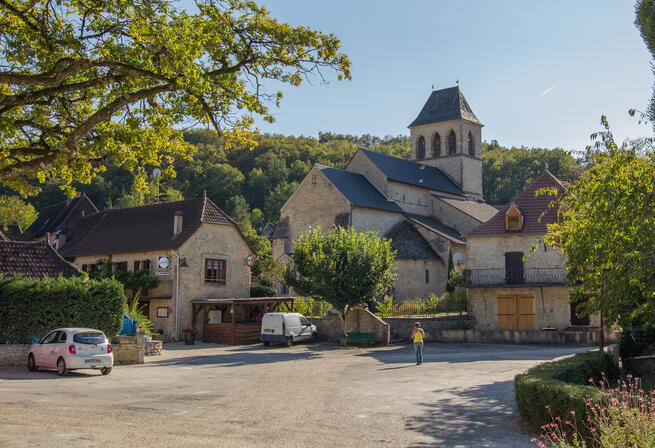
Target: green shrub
[
  {"x": 258, "y": 290},
  {"x": 559, "y": 387},
  {"x": 30, "y": 308},
  {"x": 453, "y": 302}
]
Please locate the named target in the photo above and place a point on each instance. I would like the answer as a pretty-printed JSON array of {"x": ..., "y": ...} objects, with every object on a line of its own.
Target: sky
[{"x": 537, "y": 74}]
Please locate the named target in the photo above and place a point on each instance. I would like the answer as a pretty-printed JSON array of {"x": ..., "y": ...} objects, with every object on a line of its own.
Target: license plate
[
  {"x": 268, "y": 330},
  {"x": 92, "y": 361}
]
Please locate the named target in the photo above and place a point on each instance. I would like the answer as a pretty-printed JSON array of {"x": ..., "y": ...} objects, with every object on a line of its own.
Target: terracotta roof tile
[
  {"x": 141, "y": 229},
  {"x": 535, "y": 210},
  {"x": 34, "y": 260}
]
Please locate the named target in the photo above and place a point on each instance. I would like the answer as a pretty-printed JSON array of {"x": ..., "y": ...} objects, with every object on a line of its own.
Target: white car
[
  {"x": 67, "y": 349},
  {"x": 286, "y": 328}
]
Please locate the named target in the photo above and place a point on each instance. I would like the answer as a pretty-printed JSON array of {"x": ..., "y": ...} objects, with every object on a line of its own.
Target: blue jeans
[{"x": 418, "y": 348}]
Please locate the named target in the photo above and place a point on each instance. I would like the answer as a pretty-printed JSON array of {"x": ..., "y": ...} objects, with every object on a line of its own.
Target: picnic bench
[{"x": 358, "y": 337}]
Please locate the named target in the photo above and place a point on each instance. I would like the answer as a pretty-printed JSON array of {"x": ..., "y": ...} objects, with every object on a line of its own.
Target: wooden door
[
  {"x": 516, "y": 312},
  {"x": 507, "y": 313}
]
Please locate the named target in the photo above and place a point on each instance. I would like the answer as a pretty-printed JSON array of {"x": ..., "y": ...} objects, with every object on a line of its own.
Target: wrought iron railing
[{"x": 525, "y": 276}]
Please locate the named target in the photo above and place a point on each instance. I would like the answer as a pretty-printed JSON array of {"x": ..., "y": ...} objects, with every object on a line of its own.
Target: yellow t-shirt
[{"x": 418, "y": 336}]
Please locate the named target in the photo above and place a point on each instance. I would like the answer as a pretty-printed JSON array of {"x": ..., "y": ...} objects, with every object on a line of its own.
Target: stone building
[
  {"x": 425, "y": 204},
  {"x": 194, "y": 248},
  {"x": 513, "y": 282},
  {"x": 56, "y": 220}
]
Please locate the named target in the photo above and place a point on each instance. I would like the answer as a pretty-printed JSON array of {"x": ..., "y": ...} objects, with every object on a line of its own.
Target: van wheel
[
  {"x": 61, "y": 367},
  {"x": 267, "y": 343},
  {"x": 105, "y": 370},
  {"x": 313, "y": 338},
  {"x": 289, "y": 341},
  {"x": 31, "y": 363}
]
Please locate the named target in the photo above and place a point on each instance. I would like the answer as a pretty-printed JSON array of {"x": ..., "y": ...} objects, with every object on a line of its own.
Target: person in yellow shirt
[{"x": 417, "y": 337}]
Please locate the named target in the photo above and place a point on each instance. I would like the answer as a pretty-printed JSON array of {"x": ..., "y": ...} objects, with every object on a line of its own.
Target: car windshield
[{"x": 89, "y": 338}]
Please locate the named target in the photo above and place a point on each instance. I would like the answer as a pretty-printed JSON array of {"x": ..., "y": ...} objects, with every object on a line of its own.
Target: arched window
[
  {"x": 452, "y": 143},
  {"x": 420, "y": 148},
  {"x": 436, "y": 145},
  {"x": 471, "y": 145}
]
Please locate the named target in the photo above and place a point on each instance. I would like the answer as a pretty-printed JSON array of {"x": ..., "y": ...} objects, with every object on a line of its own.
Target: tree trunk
[{"x": 342, "y": 314}]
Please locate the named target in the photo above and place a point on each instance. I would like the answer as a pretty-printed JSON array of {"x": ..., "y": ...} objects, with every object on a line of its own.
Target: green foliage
[
  {"x": 343, "y": 267},
  {"x": 13, "y": 210},
  {"x": 310, "y": 307},
  {"x": 507, "y": 171},
  {"x": 133, "y": 311},
  {"x": 387, "y": 307},
  {"x": 31, "y": 308},
  {"x": 132, "y": 280},
  {"x": 451, "y": 266},
  {"x": 259, "y": 290},
  {"x": 607, "y": 232},
  {"x": 90, "y": 83},
  {"x": 554, "y": 389},
  {"x": 645, "y": 21}
]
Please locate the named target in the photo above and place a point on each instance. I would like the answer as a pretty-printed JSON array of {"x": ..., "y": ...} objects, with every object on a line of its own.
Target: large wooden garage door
[{"x": 516, "y": 312}]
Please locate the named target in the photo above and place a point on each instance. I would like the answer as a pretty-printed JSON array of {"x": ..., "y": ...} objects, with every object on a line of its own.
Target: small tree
[{"x": 342, "y": 267}]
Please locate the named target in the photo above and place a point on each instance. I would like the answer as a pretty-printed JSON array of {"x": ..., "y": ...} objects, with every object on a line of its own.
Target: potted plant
[{"x": 190, "y": 332}]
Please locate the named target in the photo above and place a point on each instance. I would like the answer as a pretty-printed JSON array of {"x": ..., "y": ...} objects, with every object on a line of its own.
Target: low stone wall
[
  {"x": 14, "y": 355},
  {"x": 153, "y": 348},
  {"x": 401, "y": 327},
  {"x": 129, "y": 349},
  {"x": 357, "y": 321},
  {"x": 582, "y": 338}
]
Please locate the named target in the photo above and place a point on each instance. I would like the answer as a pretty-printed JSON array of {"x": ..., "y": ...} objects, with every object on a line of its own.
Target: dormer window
[
  {"x": 513, "y": 218},
  {"x": 420, "y": 148},
  {"x": 177, "y": 223}
]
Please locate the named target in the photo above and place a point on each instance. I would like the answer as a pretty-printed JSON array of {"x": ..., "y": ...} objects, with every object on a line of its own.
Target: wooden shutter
[
  {"x": 507, "y": 313},
  {"x": 526, "y": 312}
]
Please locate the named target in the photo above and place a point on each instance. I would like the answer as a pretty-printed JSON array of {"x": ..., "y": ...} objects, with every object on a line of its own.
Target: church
[{"x": 424, "y": 205}]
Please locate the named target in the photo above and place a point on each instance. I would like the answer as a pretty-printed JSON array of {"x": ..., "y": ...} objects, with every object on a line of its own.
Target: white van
[{"x": 286, "y": 328}]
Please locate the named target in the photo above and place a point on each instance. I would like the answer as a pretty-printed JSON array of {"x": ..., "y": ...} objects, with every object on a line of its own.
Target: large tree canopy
[
  {"x": 84, "y": 83},
  {"x": 608, "y": 232}
]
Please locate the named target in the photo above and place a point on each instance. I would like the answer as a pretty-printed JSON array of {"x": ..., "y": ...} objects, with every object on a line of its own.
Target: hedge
[
  {"x": 562, "y": 386},
  {"x": 30, "y": 308},
  {"x": 258, "y": 290}
]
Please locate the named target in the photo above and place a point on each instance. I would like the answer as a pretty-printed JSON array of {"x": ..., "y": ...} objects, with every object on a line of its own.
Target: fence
[{"x": 433, "y": 306}]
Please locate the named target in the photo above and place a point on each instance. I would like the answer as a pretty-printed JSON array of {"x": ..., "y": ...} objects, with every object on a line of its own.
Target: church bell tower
[{"x": 447, "y": 135}]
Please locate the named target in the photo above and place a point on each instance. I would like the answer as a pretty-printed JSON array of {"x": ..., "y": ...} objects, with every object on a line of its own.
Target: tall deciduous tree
[
  {"x": 342, "y": 267},
  {"x": 608, "y": 232},
  {"x": 645, "y": 22},
  {"x": 86, "y": 83}
]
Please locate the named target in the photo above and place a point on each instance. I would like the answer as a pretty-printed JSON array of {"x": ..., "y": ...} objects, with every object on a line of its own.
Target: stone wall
[
  {"x": 411, "y": 279},
  {"x": 581, "y": 338},
  {"x": 357, "y": 321},
  {"x": 401, "y": 327},
  {"x": 14, "y": 355},
  {"x": 380, "y": 221},
  {"x": 361, "y": 164},
  {"x": 129, "y": 349}
]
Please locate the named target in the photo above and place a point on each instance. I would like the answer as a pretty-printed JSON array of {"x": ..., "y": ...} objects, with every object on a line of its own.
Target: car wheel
[
  {"x": 267, "y": 343},
  {"x": 105, "y": 370},
  {"x": 61, "y": 367},
  {"x": 289, "y": 341},
  {"x": 31, "y": 363},
  {"x": 313, "y": 338}
]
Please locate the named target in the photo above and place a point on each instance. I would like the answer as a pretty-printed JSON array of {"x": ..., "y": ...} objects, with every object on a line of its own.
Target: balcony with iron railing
[{"x": 514, "y": 277}]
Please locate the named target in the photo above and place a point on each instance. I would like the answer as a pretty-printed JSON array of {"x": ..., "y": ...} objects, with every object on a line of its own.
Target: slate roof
[
  {"x": 358, "y": 190},
  {"x": 535, "y": 210},
  {"x": 480, "y": 211},
  {"x": 409, "y": 243},
  {"x": 141, "y": 229},
  {"x": 33, "y": 260},
  {"x": 61, "y": 216},
  {"x": 413, "y": 173},
  {"x": 437, "y": 226},
  {"x": 282, "y": 229},
  {"x": 444, "y": 105}
]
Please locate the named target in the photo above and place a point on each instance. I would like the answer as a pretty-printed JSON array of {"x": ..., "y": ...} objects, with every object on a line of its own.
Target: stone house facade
[
  {"x": 513, "y": 282},
  {"x": 437, "y": 199},
  {"x": 192, "y": 246}
]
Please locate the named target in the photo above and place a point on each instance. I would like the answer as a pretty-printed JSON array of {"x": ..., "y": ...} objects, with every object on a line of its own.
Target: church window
[
  {"x": 471, "y": 145},
  {"x": 420, "y": 150},
  {"x": 436, "y": 145},
  {"x": 452, "y": 143},
  {"x": 513, "y": 218},
  {"x": 427, "y": 276}
]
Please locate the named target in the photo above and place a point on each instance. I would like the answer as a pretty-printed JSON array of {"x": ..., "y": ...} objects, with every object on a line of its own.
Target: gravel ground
[{"x": 303, "y": 396}]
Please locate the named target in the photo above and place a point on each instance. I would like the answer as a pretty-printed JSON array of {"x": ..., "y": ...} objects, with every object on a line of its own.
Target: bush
[
  {"x": 258, "y": 290},
  {"x": 30, "y": 308},
  {"x": 453, "y": 302},
  {"x": 554, "y": 389}
]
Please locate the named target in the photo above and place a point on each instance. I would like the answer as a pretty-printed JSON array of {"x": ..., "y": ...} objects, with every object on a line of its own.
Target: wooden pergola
[{"x": 240, "y": 317}]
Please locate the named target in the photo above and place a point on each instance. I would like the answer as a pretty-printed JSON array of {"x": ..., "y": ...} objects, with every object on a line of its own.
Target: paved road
[{"x": 307, "y": 395}]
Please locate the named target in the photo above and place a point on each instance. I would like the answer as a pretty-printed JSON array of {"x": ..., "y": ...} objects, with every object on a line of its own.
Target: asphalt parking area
[{"x": 306, "y": 395}]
